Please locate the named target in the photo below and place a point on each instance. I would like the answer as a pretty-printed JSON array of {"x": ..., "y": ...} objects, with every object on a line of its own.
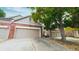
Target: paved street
[{"x": 30, "y": 45}]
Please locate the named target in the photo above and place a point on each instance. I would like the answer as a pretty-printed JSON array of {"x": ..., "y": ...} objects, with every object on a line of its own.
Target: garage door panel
[
  {"x": 26, "y": 33},
  {"x": 3, "y": 33}
]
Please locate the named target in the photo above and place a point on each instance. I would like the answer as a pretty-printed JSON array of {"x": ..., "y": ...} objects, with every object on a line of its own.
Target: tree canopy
[
  {"x": 57, "y": 17},
  {"x": 74, "y": 11},
  {"x": 2, "y": 13}
]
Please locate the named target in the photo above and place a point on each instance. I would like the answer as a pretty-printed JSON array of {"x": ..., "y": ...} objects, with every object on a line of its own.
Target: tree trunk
[
  {"x": 50, "y": 33},
  {"x": 62, "y": 34},
  {"x": 41, "y": 32},
  {"x": 62, "y": 31}
]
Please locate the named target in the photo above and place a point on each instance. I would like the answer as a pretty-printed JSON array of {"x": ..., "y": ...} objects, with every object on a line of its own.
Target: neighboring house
[{"x": 19, "y": 27}]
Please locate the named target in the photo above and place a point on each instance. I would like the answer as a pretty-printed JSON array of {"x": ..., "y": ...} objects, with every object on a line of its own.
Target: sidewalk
[
  {"x": 50, "y": 46},
  {"x": 70, "y": 39}
]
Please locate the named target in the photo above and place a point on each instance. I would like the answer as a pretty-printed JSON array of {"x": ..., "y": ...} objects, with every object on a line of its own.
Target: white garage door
[
  {"x": 3, "y": 34},
  {"x": 27, "y": 33}
]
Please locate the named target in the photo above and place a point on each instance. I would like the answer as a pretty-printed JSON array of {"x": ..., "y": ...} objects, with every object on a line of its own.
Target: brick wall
[{"x": 12, "y": 28}]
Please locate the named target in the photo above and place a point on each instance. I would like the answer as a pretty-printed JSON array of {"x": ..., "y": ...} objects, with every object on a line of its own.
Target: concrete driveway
[{"x": 30, "y": 45}]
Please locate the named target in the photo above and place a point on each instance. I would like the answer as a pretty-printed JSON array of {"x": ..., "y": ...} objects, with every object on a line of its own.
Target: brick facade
[{"x": 12, "y": 28}]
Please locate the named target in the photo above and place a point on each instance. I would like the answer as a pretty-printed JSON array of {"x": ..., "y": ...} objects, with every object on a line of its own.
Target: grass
[
  {"x": 69, "y": 28},
  {"x": 67, "y": 44}
]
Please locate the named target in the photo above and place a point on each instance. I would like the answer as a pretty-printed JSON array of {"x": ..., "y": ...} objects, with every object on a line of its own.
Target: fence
[{"x": 67, "y": 33}]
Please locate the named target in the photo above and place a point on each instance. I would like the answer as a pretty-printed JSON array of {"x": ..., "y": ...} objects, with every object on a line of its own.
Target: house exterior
[{"x": 19, "y": 27}]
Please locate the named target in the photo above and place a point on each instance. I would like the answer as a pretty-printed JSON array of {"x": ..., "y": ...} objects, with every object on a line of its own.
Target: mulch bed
[{"x": 67, "y": 44}]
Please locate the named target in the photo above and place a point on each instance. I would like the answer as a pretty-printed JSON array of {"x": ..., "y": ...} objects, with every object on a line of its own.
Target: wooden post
[{"x": 12, "y": 29}]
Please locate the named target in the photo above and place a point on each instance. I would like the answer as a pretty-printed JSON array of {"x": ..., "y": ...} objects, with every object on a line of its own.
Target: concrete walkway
[
  {"x": 30, "y": 45},
  {"x": 72, "y": 39}
]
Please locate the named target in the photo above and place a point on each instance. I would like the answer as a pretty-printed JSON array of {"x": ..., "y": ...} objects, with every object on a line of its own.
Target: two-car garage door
[
  {"x": 27, "y": 33},
  {"x": 3, "y": 34}
]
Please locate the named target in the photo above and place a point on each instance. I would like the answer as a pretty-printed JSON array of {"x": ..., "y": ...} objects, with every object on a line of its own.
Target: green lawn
[{"x": 69, "y": 28}]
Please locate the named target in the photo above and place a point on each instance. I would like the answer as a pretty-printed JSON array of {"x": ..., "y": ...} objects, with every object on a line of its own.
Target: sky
[{"x": 13, "y": 11}]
